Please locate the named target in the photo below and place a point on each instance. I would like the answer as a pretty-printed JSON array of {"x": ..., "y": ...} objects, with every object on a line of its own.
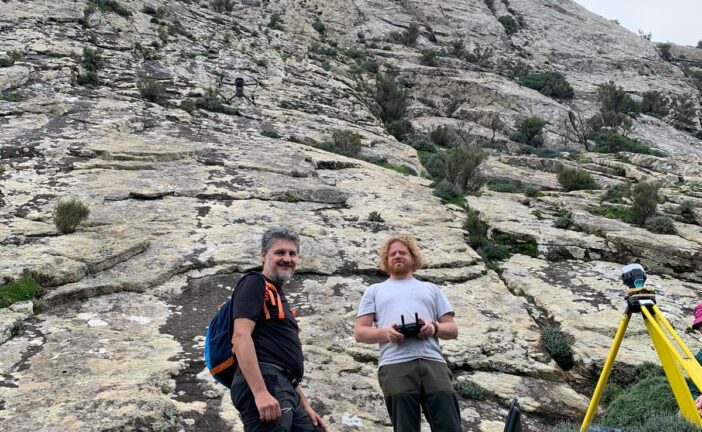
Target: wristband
[{"x": 436, "y": 328}]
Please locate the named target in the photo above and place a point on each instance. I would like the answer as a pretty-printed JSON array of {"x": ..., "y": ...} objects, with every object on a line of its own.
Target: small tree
[
  {"x": 665, "y": 52},
  {"x": 150, "y": 90},
  {"x": 572, "y": 179},
  {"x": 343, "y": 142},
  {"x": 407, "y": 37},
  {"x": 645, "y": 202},
  {"x": 429, "y": 57},
  {"x": 529, "y": 131},
  {"x": 683, "y": 113},
  {"x": 613, "y": 98},
  {"x": 68, "y": 213},
  {"x": 461, "y": 167}
]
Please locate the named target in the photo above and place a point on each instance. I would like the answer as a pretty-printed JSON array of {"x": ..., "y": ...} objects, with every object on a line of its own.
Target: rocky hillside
[{"x": 351, "y": 112}]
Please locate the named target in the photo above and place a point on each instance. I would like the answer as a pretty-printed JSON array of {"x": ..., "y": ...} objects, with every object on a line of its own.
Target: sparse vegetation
[
  {"x": 617, "y": 193},
  {"x": 374, "y": 216},
  {"x": 112, "y": 6},
  {"x": 469, "y": 390},
  {"x": 319, "y": 27},
  {"x": 343, "y": 142},
  {"x": 572, "y": 179},
  {"x": 212, "y": 102},
  {"x": 151, "y": 90},
  {"x": 665, "y": 52},
  {"x": 270, "y": 132},
  {"x": 564, "y": 222},
  {"x": 529, "y": 131},
  {"x": 683, "y": 112},
  {"x": 10, "y": 58},
  {"x": 429, "y": 57},
  {"x": 68, "y": 213},
  {"x": 612, "y": 142},
  {"x": 552, "y": 84},
  {"x": 616, "y": 106},
  {"x": 407, "y": 37},
  {"x": 480, "y": 56},
  {"x": 557, "y": 343},
  {"x": 222, "y": 5},
  {"x": 461, "y": 167},
  {"x": 660, "y": 225},
  {"x": 275, "y": 21},
  {"x": 22, "y": 289}
]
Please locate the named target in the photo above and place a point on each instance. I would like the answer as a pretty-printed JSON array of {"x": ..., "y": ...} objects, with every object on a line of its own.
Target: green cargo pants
[{"x": 419, "y": 383}]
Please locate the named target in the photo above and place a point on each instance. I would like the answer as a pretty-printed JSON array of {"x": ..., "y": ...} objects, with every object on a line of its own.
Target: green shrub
[
  {"x": 88, "y": 79},
  {"x": 509, "y": 24},
  {"x": 552, "y": 84},
  {"x": 491, "y": 252},
  {"x": 558, "y": 345},
  {"x": 407, "y": 37},
  {"x": 400, "y": 129},
  {"x": 469, "y": 390},
  {"x": 92, "y": 59},
  {"x": 318, "y": 25},
  {"x": 635, "y": 404},
  {"x": 429, "y": 57},
  {"x": 461, "y": 166},
  {"x": 343, "y": 142},
  {"x": 391, "y": 99},
  {"x": 421, "y": 143},
  {"x": 564, "y": 222},
  {"x": 532, "y": 191},
  {"x": 665, "y": 52},
  {"x": 433, "y": 163},
  {"x": 645, "y": 202},
  {"x": 655, "y": 104},
  {"x": 441, "y": 136},
  {"x": 529, "y": 131},
  {"x": 68, "y": 213},
  {"x": 660, "y": 225},
  {"x": 12, "y": 57},
  {"x": 112, "y": 6},
  {"x": 22, "y": 289},
  {"x": 513, "y": 69},
  {"x": 683, "y": 111},
  {"x": 616, "y": 193},
  {"x": 611, "y": 142},
  {"x": 374, "y": 216},
  {"x": 222, "y": 5},
  {"x": 686, "y": 209},
  {"x": 613, "y": 98},
  {"x": 212, "y": 102},
  {"x": 477, "y": 229},
  {"x": 505, "y": 185},
  {"x": 276, "y": 21},
  {"x": 457, "y": 47},
  {"x": 270, "y": 132},
  {"x": 572, "y": 179},
  {"x": 491, "y": 5},
  {"x": 447, "y": 191},
  {"x": 480, "y": 56},
  {"x": 150, "y": 90},
  {"x": 698, "y": 134},
  {"x": 608, "y": 120}
]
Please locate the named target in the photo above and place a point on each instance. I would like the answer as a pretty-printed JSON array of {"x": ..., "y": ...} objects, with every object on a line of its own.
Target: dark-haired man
[{"x": 266, "y": 389}]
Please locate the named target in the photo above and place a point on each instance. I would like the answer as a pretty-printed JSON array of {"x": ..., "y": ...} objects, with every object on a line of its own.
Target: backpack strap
[{"x": 271, "y": 294}]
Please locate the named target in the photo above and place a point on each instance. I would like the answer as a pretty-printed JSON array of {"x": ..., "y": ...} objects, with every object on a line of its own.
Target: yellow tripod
[{"x": 644, "y": 300}]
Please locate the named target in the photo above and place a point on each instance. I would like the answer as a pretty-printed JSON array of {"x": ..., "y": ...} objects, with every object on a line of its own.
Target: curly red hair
[{"x": 407, "y": 240}]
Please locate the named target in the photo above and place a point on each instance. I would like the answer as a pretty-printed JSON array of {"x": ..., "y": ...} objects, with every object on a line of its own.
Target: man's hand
[
  {"x": 698, "y": 404},
  {"x": 315, "y": 418},
  {"x": 427, "y": 330},
  {"x": 268, "y": 407},
  {"x": 395, "y": 336}
]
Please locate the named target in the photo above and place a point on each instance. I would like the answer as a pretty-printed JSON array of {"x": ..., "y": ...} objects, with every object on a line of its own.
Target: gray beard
[{"x": 280, "y": 279}]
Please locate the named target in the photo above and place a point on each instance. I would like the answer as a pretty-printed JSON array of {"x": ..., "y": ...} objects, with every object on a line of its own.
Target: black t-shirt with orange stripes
[{"x": 276, "y": 340}]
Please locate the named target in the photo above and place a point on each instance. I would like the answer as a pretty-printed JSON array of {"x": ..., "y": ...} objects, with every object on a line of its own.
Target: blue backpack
[{"x": 219, "y": 352}]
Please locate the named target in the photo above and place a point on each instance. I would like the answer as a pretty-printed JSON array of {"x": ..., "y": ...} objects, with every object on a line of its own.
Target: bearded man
[
  {"x": 266, "y": 387},
  {"x": 412, "y": 371}
]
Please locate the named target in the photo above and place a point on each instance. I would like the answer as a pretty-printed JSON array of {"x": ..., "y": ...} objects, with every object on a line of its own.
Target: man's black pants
[
  {"x": 419, "y": 383},
  {"x": 293, "y": 419}
]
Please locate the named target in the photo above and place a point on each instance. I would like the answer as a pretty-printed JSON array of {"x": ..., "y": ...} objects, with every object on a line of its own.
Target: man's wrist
[{"x": 436, "y": 328}]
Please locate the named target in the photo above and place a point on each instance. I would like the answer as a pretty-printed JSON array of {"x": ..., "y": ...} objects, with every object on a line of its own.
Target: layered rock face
[{"x": 181, "y": 177}]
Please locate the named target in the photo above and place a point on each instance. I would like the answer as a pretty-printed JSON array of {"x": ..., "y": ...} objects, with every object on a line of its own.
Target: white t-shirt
[{"x": 391, "y": 299}]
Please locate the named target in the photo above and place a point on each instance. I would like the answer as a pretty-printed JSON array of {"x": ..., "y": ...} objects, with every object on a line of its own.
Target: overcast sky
[{"x": 678, "y": 21}]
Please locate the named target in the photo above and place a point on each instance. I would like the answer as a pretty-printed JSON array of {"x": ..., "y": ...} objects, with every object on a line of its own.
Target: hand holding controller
[{"x": 410, "y": 329}]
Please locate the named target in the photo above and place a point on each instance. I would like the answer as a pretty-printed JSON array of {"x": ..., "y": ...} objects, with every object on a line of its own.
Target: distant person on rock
[
  {"x": 412, "y": 371},
  {"x": 266, "y": 387}
]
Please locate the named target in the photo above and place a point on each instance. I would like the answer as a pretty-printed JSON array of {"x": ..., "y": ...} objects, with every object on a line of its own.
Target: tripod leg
[
  {"x": 671, "y": 360},
  {"x": 604, "y": 375}
]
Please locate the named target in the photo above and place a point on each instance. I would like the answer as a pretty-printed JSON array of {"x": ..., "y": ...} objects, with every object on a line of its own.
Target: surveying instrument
[{"x": 640, "y": 299}]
